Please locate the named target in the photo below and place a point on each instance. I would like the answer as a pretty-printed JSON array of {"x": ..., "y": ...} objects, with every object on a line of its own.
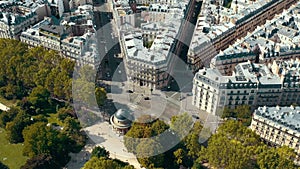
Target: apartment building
[
  {"x": 57, "y": 7},
  {"x": 16, "y": 17},
  {"x": 278, "y": 125},
  {"x": 148, "y": 66},
  {"x": 150, "y": 31},
  {"x": 163, "y": 2},
  {"x": 13, "y": 22},
  {"x": 74, "y": 38},
  {"x": 146, "y": 46},
  {"x": 223, "y": 26},
  {"x": 277, "y": 39},
  {"x": 250, "y": 84}
]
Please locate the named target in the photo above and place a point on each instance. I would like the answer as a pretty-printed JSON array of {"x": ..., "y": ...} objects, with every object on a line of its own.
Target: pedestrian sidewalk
[{"x": 3, "y": 107}]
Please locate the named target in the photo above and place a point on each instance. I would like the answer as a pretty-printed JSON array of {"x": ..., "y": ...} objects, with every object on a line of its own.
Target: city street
[{"x": 108, "y": 44}]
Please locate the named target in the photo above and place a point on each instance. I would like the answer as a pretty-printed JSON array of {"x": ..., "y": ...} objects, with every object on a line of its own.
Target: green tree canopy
[
  {"x": 41, "y": 161},
  {"x": 100, "y": 95},
  {"x": 23, "y": 69},
  {"x": 39, "y": 97},
  {"x": 72, "y": 131},
  {"x": 100, "y": 152},
  {"x": 14, "y": 128},
  {"x": 8, "y": 116},
  {"x": 276, "y": 158},
  {"x": 181, "y": 124},
  {"x": 3, "y": 166},
  {"x": 40, "y": 138},
  {"x": 102, "y": 162}
]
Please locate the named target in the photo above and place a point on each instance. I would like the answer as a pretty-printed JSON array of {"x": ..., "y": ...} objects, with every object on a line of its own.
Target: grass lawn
[
  {"x": 11, "y": 154},
  {"x": 8, "y": 103}
]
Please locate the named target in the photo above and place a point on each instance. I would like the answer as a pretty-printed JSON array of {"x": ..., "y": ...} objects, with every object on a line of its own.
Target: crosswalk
[{"x": 137, "y": 99}]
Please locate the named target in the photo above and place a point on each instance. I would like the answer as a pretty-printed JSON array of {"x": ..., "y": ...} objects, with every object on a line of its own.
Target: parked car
[
  {"x": 195, "y": 116},
  {"x": 107, "y": 74}
]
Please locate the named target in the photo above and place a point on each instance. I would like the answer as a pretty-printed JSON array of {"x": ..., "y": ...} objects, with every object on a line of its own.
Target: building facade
[
  {"x": 147, "y": 48},
  {"x": 121, "y": 121},
  {"x": 16, "y": 17},
  {"x": 277, "y": 39},
  {"x": 251, "y": 84},
  {"x": 235, "y": 25},
  {"x": 278, "y": 126}
]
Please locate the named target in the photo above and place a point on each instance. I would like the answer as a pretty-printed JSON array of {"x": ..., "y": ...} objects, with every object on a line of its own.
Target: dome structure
[
  {"x": 121, "y": 121},
  {"x": 122, "y": 115}
]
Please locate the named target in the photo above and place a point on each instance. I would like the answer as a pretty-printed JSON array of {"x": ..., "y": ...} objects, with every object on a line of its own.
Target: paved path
[
  {"x": 3, "y": 107},
  {"x": 101, "y": 134}
]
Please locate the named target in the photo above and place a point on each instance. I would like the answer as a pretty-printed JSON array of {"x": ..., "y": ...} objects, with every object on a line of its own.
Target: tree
[
  {"x": 41, "y": 161},
  {"x": 87, "y": 73},
  {"x": 61, "y": 80},
  {"x": 235, "y": 130},
  {"x": 232, "y": 147},
  {"x": 100, "y": 95},
  {"x": 276, "y": 158},
  {"x": 39, "y": 97},
  {"x": 27, "y": 106},
  {"x": 147, "y": 150},
  {"x": 65, "y": 112},
  {"x": 143, "y": 130},
  {"x": 75, "y": 139},
  {"x": 102, "y": 162},
  {"x": 40, "y": 138},
  {"x": 192, "y": 141},
  {"x": 229, "y": 154},
  {"x": 87, "y": 92},
  {"x": 226, "y": 113},
  {"x": 15, "y": 127},
  {"x": 179, "y": 155},
  {"x": 197, "y": 166},
  {"x": 243, "y": 112},
  {"x": 3, "y": 166},
  {"x": 7, "y": 116},
  {"x": 12, "y": 91},
  {"x": 23, "y": 69},
  {"x": 181, "y": 124},
  {"x": 100, "y": 152}
]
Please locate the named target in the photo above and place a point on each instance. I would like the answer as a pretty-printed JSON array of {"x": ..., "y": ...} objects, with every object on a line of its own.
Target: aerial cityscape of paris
[{"x": 149, "y": 84}]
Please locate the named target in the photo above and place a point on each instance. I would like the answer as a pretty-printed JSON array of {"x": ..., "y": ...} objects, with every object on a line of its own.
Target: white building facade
[
  {"x": 278, "y": 125},
  {"x": 251, "y": 84}
]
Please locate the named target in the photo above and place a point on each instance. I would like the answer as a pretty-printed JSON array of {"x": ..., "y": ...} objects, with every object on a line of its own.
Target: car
[
  {"x": 190, "y": 94},
  {"x": 129, "y": 91},
  {"x": 146, "y": 98},
  {"x": 107, "y": 74},
  {"x": 195, "y": 116},
  {"x": 181, "y": 98}
]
